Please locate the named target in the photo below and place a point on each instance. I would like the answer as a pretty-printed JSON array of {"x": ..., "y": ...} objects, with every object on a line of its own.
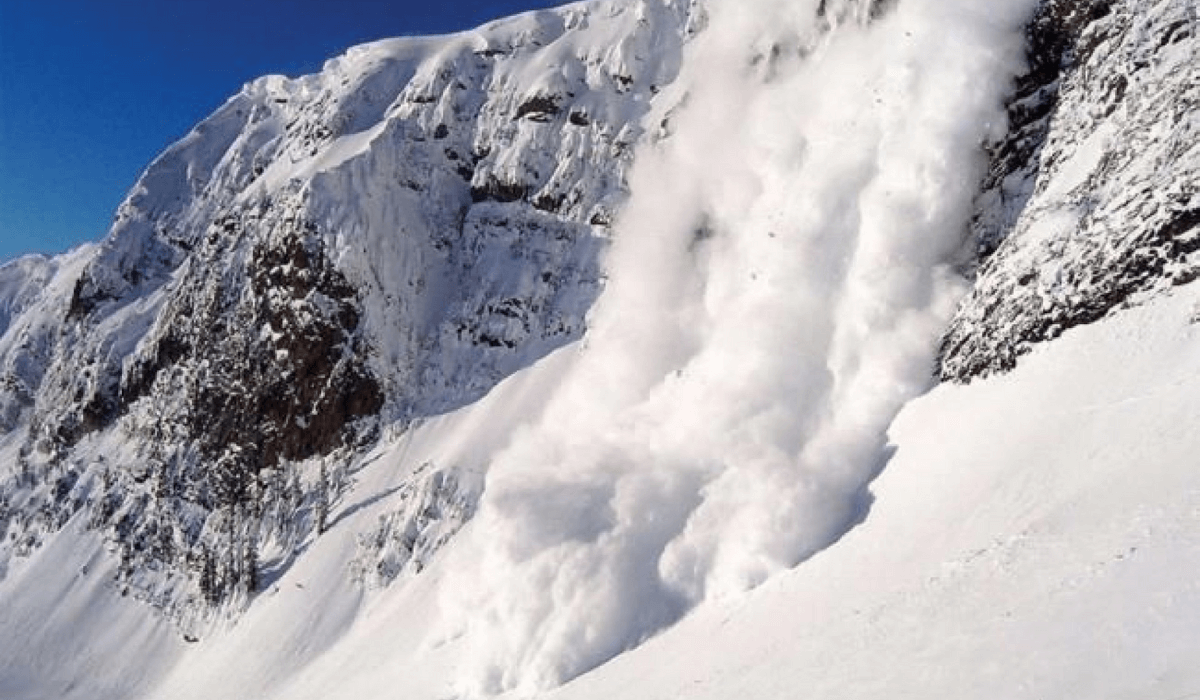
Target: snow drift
[{"x": 779, "y": 280}]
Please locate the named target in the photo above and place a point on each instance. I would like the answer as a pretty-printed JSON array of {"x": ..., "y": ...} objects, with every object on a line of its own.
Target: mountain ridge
[
  {"x": 243, "y": 224},
  {"x": 298, "y": 296}
]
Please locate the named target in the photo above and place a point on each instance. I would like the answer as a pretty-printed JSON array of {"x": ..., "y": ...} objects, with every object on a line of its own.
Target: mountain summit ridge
[{"x": 320, "y": 258}]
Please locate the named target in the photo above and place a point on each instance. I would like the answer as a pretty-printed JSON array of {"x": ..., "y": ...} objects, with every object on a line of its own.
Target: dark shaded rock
[
  {"x": 549, "y": 203},
  {"x": 497, "y": 191},
  {"x": 539, "y": 108},
  {"x": 281, "y": 370},
  {"x": 1090, "y": 201}
]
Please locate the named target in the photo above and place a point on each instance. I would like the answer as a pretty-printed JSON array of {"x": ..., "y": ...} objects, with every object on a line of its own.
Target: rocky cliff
[
  {"x": 321, "y": 258},
  {"x": 1091, "y": 200}
]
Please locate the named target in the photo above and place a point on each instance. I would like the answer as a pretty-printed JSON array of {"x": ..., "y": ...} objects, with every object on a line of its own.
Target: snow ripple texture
[{"x": 778, "y": 283}]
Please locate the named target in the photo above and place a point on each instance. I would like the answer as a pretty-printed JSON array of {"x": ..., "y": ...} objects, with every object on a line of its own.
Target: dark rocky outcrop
[
  {"x": 539, "y": 107},
  {"x": 1091, "y": 198}
]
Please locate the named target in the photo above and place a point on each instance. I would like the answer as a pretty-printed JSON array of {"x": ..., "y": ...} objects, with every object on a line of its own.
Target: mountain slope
[
  {"x": 1008, "y": 549},
  {"x": 406, "y": 377},
  {"x": 1029, "y": 526},
  {"x": 1034, "y": 536},
  {"x": 1091, "y": 202},
  {"x": 320, "y": 259}
]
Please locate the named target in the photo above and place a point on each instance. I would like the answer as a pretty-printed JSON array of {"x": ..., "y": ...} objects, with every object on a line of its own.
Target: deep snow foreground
[{"x": 1034, "y": 535}]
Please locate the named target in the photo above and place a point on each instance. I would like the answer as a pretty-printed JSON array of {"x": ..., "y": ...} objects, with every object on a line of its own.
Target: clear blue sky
[{"x": 92, "y": 90}]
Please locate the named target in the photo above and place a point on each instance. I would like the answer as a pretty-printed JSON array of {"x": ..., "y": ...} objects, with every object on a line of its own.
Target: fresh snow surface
[
  {"x": 67, "y": 632},
  {"x": 1033, "y": 535}
]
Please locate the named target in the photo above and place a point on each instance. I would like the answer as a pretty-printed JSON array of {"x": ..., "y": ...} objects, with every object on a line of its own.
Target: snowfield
[
  {"x": 1033, "y": 535},
  {"x": 593, "y": 354}
]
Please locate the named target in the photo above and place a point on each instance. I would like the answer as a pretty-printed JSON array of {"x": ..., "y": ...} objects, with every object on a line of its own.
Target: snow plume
[{"x": 777, "y": 286}]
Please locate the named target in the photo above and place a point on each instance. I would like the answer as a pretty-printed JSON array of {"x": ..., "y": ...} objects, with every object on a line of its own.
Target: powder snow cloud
[{"x": 777, "y": 286}]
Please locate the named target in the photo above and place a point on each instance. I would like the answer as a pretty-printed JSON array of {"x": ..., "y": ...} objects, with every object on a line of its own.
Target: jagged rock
[
  {"x": 322, "y": 259},
  {"x": 1092, "y": 196},
  {"x": 433, "y": 505}
]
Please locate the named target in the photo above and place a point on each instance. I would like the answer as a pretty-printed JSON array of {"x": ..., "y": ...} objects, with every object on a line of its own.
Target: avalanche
[
  {"x": 592, "y": 353},
  {"x": 771, "y": 305}
]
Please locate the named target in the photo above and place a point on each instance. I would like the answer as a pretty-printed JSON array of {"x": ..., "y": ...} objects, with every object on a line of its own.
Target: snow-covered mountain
[
  {"x": 1091, "y": 201},
  {"x": 320, "y": 260},
  {"x": 485, "y": 362}
]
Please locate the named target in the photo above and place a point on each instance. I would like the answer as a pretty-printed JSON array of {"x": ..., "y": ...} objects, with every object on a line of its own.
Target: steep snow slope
[
  {"x": 310, "y": 376},
  {"x": 70, "y": 634},
  {"x": 1034, "y": 535},
  {"x": 322, "y": 259},
  {"x": 34, "y": 294}
]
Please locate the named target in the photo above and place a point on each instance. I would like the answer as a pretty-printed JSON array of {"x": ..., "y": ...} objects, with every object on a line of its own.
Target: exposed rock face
[
  {"x": 320, "y": 259},
  {"x": 1092, "y": 197},
  {"x": 432, "y": 507},
  {"x": 269, "y": 360}
]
